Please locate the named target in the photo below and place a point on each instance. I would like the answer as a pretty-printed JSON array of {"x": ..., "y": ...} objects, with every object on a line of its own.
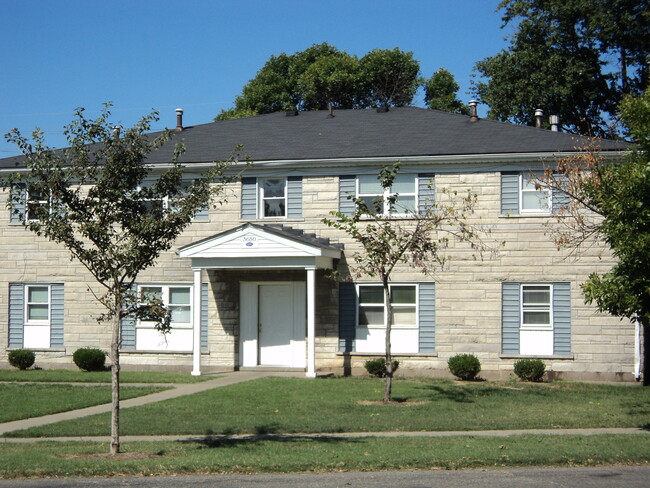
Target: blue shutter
[
  {"x": 427, "y": 317},
  {"x": 426, "y": 192},
  {"x": 347, "y": 316},
  {"x": 347, "y": 186},
  {"x": 204, "y": 316},
  {"x": 510, "y": 317},
  {"x": 16, "y": 314},
  {"x": 18, "y": 206},
  {"x": 509, "y": 193},
  {"x": 294, "y": 197},
  {"x": 248, "y": 198},
  {"x": 561, "y": 318},
  {"x": 559, "y": 198},
  {"x": 57, "y": 315}
]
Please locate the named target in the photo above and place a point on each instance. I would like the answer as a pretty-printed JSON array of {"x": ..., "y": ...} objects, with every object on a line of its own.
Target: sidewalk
[{"x": 175, "y": 391}]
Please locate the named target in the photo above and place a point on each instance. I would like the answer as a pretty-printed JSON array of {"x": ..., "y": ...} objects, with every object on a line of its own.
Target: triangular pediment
[{"x": 254, "y": 241}]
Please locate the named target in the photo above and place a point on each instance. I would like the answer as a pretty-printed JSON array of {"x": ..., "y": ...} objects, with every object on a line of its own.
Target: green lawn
[
  {"x": 291, "y": 405},
  {"x": 77, "y": 376},
  {"x": 21, "y": 401},
  {"x": 56, "y": 459}
]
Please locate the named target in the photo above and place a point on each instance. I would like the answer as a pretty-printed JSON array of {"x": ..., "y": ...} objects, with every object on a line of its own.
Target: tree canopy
[
  {"x": 323, "y": 75},
  {"x": 440, "y": 93},
  {"x": 558, "y": 57}
]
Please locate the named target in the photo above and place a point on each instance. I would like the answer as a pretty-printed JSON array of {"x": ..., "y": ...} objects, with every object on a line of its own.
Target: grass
[
  {"x": 19, "y": 401},
  {"x": 77, "y": 376},
  {"x": 291, "y": 405},
  {"x": 54, "y": 459}
]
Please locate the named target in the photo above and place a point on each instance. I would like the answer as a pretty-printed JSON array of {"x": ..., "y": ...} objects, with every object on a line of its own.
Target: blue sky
[{"x": 197, "y": 54}]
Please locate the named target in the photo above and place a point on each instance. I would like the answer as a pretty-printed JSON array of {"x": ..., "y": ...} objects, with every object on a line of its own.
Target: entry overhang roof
[{"x": 261, "y": 246}]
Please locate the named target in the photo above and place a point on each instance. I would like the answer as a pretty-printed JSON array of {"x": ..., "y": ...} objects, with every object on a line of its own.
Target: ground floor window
[
  {"x": 371, "y": 332},
  {"x": 36, "y": 315},
  {"x": 178, "y": 300}
]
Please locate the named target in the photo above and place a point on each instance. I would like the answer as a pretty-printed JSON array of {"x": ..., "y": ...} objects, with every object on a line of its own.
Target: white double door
[{"x": 273, "y": 324}]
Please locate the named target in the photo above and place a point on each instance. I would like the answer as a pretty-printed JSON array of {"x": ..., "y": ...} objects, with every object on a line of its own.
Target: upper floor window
[
  {"x": 377, "y": 199},
  {"x": 36, "y": 203},
  {"x": 273, "y": 197},
  {"x": 533, "y": 200}
]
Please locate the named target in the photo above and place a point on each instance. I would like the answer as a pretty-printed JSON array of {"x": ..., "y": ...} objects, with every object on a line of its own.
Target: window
[
  {"x": 37, "y": 305},
  {"x": 371, "y": 334},
  {"x": 178, "y": 300},
  {"x": 273, "y": 197},
  {"x": 376, "y": 198},
  {"x": 536, "y": 319},
  {"x": 36, "y": 203},
  {"x": 155, "y": 207},
  {"x": 533, "y": 200},
  {"x": 36, "y": 315}
]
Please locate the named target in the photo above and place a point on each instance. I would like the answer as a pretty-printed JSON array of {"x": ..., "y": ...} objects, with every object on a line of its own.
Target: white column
[
  {"x": 311, "y": 322},
  {"x": 196, "y": 319}
]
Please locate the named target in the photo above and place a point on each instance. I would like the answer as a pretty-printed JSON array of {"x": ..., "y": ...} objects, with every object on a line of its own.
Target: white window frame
[
  {"x": 527, "y": 185},
  {"x": 31, "y": 201},
  {"x": 536, "y": 307},
  {"x": 164, "y": 201},
  {"x": 387, "y": 193},
  {"x": 261, "y": 198},
  {"x": 28, "y": 303},
  {"x": 165, "y": 292},
  {"x": 416, "y": 304}
]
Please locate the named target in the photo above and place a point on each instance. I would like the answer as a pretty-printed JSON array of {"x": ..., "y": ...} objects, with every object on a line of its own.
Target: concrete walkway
[
  {"x": 175, "y": 391},
  {"x": 232, "y": 378}
]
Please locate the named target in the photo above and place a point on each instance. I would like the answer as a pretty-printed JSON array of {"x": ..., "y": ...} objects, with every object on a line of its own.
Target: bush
[
  {"x": 464, "y": 366},
  {"x": 89, "y": 359},
  {"x": 530, "y": 369},
  {"x": 22, "y": 358},
  {"x": 377, "y": 367}
]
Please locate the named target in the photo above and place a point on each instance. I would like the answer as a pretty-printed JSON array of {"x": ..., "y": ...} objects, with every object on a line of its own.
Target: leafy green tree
[
  {"x": 556, "y": 61},
  {"x": 440, "y": 93},
  {"x": 419, "y": 241},
  {"x": 611, "y": 202},
  {"x": 322, "y": 75},
  {"x": 105, "y": 206}
]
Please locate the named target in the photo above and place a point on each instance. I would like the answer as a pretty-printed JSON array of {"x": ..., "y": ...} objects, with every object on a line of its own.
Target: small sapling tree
[
  {"x": 391, "y": 236},
  {"x": 100, "y": 200}
]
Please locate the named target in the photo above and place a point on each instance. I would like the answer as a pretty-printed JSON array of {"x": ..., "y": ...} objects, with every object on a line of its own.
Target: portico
[{"x": 277, "y": 322}]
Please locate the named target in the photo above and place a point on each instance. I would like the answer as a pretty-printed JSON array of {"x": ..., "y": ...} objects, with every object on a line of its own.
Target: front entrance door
[{"x": 273, "y": 326}]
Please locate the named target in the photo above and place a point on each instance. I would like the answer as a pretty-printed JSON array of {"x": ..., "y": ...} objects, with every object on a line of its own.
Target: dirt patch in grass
[
  {"x": 400, "y": 403},
  {"x": 122, "y": 456}
]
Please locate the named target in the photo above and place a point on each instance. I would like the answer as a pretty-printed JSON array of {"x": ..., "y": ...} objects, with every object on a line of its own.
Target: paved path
[
  {"x": 174, "y": 392},
  {"x": 226, "y": 379}
]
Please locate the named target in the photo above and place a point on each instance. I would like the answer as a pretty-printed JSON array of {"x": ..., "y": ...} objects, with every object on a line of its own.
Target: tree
[
  {"x": 105, "y": 205},
  {"x": 418, "y": 240},
  {"x": 322, "y": 75},
  {"x": 440, "y": 93},
  {"x": 557, "y": 61},
  {"x": 611, "y": 202}
]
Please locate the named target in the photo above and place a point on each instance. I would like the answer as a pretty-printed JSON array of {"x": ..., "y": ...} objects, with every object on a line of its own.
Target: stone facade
[{"x": 468, "y": 304}]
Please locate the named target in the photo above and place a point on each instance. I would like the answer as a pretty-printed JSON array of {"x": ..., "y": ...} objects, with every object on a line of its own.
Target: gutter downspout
[{"x": 637, "y": 350}]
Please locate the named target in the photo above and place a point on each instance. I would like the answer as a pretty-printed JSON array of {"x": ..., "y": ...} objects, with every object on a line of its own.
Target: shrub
[
  {"x": 530, "y": 369},
  {"x": 377, "y": 367},
  {"x": 464, "y": 366},
  {"x": 89, "y": 359},
  {"x": 22, "y": 358}
]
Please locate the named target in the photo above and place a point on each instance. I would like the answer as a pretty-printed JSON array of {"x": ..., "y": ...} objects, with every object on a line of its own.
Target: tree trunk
[
  {"x": 115, "y": 384},
  {"x": 388, "y": 323}
]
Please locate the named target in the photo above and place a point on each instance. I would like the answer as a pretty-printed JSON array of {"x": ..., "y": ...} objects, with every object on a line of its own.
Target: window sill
[
  {"x": 54, "y": 349},
  {"x": 526, "y": 216},
  {"x": 151, "y": 352},
  {"x": 568, "y": 357},
  {"x": 394, "y": 355},
  {"x": 274, "y": 220}
]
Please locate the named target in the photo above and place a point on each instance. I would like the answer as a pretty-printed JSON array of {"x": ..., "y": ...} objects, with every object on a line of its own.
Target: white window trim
[
  {"x": 29, "y": 200},
  {"x": 523, "y": 180},
  {"x": 148, "y": 324},
  {"x": 261, "y": 198},
  {"x": 388, "y": 193},
  {"x": 28, "y": 303},
  {"x": 394, "y": 326},
  {"x": 540, "y": 308}
]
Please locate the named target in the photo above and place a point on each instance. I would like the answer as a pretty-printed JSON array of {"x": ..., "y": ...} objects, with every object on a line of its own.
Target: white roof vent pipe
[
  {"x": 554, "y": 120},
  {"x": 539, "y": 113},
  {"x": 179, "y": 119}
]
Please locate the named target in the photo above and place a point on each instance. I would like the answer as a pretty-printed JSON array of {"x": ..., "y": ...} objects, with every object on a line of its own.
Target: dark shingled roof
[{"x": 400, "y": 132}]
